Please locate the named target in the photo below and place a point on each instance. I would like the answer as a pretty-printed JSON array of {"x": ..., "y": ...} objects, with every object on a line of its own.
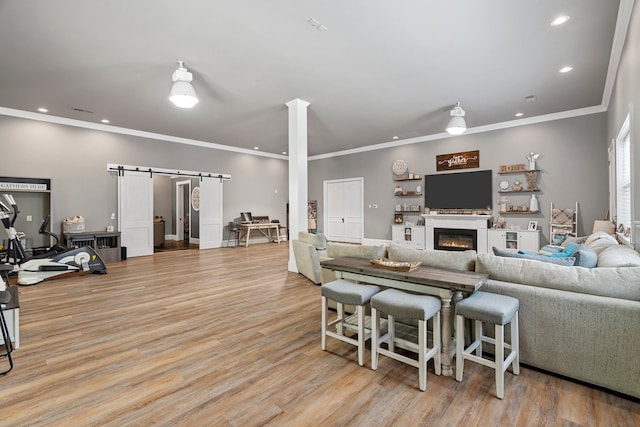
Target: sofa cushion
[
  {"x": 336, "y": 250},
  {"x": 621, "y": 282},
  {"x": 564, "y": 261},
  {"x": 585, "y": 257},
  {"x": 600, "y": 241},
  {"x": 454, "y": 260},
  {"x": 619, "y": 256}
]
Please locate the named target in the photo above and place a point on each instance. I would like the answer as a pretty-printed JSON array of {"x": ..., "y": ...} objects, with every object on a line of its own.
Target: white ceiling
[{"x": 382, "y": 69}]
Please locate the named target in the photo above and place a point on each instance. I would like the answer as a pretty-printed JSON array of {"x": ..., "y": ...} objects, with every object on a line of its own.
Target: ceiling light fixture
[
  {"x": 43, "y": 110},
  {"x": 559, "y": 20},
  {"x": 105, "y": 121},
  {"x": 457, "y": 125},
  {"x": 519, "y": 114},
  {"x": 183, "y": 95},
  {"x": 565, "y": 69}
]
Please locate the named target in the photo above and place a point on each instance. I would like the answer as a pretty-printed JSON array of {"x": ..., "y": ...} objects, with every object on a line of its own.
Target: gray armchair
[{"x": 308, "y": 250}]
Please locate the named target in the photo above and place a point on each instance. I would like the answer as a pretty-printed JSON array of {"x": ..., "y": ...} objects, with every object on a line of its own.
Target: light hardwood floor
[{"x": 227, "y": 337}]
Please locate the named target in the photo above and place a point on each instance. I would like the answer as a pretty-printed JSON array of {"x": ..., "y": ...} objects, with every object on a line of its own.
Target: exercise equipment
[{"x": 56, "y": 261}]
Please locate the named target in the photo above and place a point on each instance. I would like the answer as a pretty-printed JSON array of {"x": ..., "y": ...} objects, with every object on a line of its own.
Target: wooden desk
[
  {"x": 439, "y": 282},
  {"x": 266, "y": 228}
]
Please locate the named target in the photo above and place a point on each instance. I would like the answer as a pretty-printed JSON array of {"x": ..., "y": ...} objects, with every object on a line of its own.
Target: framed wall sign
[{"x": 464, "y": 160}]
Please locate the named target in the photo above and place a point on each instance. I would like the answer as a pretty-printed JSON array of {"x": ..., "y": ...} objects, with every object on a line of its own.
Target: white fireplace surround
[{"x": 460, "y": 222}]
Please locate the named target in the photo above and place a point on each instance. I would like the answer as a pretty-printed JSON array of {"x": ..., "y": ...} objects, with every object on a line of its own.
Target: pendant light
[
  {"x": 456, "y": 125},
  {"x": 183, "y": 95}
]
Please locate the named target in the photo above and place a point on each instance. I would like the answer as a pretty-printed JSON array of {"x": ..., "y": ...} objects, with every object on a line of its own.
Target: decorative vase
[{"x": 533, "y": 204}]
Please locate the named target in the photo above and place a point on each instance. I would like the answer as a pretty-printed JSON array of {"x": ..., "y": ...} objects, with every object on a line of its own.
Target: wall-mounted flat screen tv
[{"x": 462, "y": 190}]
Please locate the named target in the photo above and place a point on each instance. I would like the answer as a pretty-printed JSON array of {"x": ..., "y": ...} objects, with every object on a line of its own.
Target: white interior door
[
  {"x": 343, "y": 208},
  {"x": 210, "y": 205},
  {"x": 135, "y": 212},
  {"x": 334, "y": 205},
  {"x": 353, "y": 211}
]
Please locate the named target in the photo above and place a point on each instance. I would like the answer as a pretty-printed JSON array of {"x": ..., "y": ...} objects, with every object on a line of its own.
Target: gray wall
[
  {"x": 573, "y": 163},
  {"x": 75, "y": 160},
  {"x": 626, "y": 99}
]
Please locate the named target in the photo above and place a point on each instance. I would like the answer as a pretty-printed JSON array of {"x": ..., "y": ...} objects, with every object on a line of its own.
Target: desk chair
[{"x": 234, "y": 228}]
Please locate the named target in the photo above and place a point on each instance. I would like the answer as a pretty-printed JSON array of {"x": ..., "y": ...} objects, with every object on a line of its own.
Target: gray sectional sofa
[{"x": 582, "y": 323}]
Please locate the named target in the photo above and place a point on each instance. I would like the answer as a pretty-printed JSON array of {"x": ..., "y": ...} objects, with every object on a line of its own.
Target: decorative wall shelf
[{"x": 516, "y": 192}]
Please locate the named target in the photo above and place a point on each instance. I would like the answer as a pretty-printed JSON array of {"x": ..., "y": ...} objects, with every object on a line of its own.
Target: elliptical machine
[{"x": 58, "y": 260}]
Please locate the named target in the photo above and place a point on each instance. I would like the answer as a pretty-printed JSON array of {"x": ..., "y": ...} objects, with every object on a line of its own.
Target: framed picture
[
  {"x": 533, "y": 225},
  {"x": 398, "y": 218}
]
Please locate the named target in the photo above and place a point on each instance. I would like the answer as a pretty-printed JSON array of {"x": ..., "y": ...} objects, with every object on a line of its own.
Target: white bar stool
[
  {"x": 499, "y": 310},
  {"x": 400, "y": 304},
  {"x": 345, "y": 292}
]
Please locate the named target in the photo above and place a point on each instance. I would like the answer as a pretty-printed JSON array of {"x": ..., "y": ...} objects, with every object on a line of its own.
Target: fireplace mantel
[{"x": 463, "y": 222}]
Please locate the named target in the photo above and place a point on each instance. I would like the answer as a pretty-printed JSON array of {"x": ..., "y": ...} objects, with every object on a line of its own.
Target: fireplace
[
  {"x": 455, "y": 239},
  {"x": 459, "y": 223}
]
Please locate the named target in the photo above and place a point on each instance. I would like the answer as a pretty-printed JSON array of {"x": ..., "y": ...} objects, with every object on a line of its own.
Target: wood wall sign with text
[{"x": 464, "y": 160}]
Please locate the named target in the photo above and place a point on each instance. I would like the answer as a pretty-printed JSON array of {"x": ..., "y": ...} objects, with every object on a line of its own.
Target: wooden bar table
[{"x": 440, "y": 282}]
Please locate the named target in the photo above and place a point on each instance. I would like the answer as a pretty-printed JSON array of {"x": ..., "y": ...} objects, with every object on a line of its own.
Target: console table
[
  {"x": 439, "y": 282},
  {"x": 266, "y": 228}
]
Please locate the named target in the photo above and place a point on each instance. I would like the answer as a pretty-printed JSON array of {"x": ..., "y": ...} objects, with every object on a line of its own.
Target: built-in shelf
[{"x": 407, "y": 179}]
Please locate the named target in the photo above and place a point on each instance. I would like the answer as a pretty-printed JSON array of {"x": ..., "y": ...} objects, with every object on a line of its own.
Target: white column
[{"x": 298, "y": 173}]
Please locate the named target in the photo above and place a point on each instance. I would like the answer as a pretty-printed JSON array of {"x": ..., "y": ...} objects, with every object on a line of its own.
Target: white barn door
[
  {"x": 343, "y": 210},
  {"x": 210, "y": 213},
  {"x": 135, "y": 212}
]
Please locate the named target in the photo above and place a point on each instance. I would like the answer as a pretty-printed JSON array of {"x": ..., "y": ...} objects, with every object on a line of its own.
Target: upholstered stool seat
[
  {"x": 345, "y": 292},
  {"x": 398, "y": 304},
  {"x": 499, "y": 310}
]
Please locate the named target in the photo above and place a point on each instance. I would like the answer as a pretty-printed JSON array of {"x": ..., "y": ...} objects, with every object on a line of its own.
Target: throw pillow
[
  {"x": 586, "y": 257},
  {"x": 550, "y": 249},
  {"x": 567, "y": 261},
  {"x": 568, "y": 251}
]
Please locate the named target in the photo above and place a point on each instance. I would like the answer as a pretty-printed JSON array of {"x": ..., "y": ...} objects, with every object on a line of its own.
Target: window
[{"x": 623, "y": 190}]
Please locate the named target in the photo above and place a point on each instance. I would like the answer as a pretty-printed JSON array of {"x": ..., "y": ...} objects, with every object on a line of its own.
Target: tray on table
[{"x": 395, "y": 265}]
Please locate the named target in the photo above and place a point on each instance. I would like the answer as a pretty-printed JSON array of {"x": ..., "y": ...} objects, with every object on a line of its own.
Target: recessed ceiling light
[
  {"x": 395, "y": 137},
  {"x": 559, "y": 20},
  {"x": 43, "y": 110},
  {"x": 105, "y": 121},
  {"x": 519, "y": 114},
  {"x": 284, "y": 152},
  {"x": 565, "y": 69},
  {"x": 256, "y": 148}
]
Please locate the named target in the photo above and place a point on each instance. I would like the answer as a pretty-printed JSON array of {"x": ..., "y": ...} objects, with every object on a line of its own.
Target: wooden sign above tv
[{"x": 464, "y": 160}]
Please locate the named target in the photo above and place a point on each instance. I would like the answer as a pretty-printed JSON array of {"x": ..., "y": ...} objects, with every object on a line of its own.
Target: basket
[
  {"x": 395, "y": 265},
  {"x": 69, "y": 227}
]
